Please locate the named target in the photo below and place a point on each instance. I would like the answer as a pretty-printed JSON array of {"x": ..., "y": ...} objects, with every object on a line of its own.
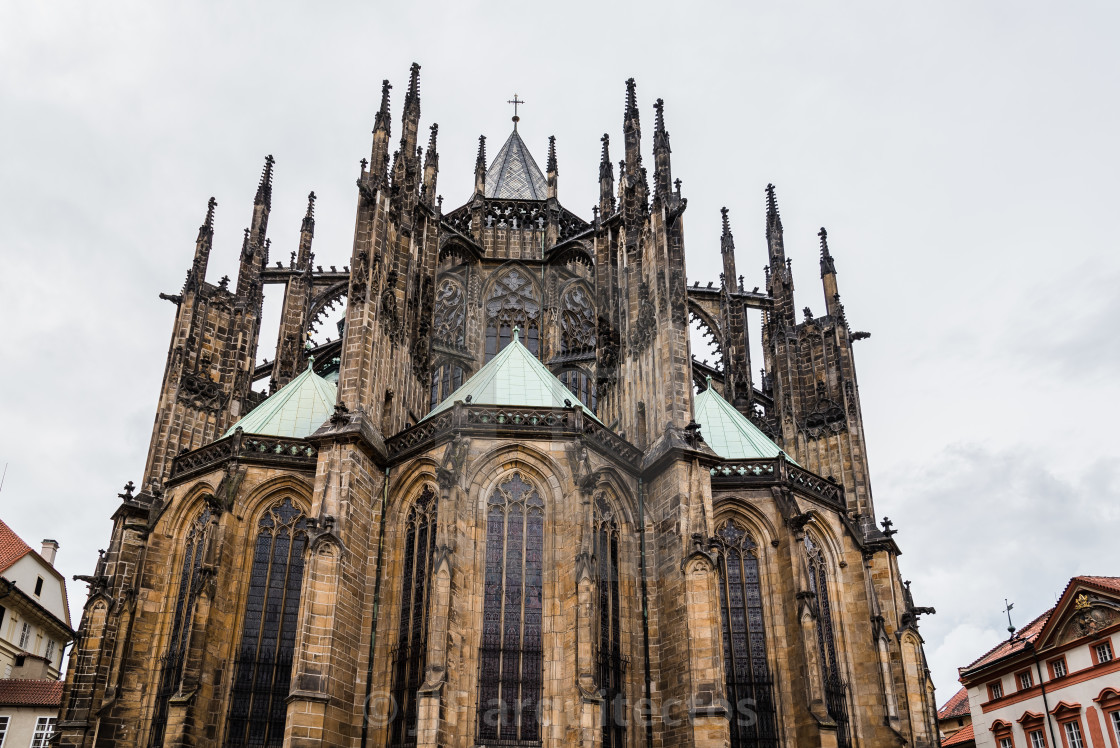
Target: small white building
[
  {"x": 28, "y": 710},
  {"x": 1056, "y": 682},
  {"x": 34, "y": 612}
]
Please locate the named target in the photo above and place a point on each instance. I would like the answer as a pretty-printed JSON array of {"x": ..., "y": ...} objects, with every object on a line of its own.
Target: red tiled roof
[
  {"x": 960, "y": 737},
  {"x": 956, "y": 706},
  {"x": 27, "y": 692},
  {"x": 1026, "y": 634},
  {"x": 12, "y": 547},
  {"x": 1111, "y": 583}
]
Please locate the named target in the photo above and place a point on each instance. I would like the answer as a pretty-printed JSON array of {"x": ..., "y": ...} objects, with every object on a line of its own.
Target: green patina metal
[
  {"x": 728, "y": 432},
  {"x": 296, "y": 410}
]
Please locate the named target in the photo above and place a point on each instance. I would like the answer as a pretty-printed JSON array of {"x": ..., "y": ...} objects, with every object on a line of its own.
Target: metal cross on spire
[
  {"x": 515, "y": 101},
  {"x": 1007, "y": 608}
]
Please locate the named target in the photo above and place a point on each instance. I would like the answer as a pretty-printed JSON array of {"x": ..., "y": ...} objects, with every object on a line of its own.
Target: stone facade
[{"x": 628, "y": 626}]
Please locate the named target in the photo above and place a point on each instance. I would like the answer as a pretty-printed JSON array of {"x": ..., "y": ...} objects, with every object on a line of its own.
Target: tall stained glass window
[
  {"x": 511, "y": 656},
  {"x": 610, "y": 662},
  {"x": 446, "y": 378},
  {"x": 263, "y": 669},
  {"x": 835, "y": 690},
  {"x": 410, "y": 654},
  {"x": 171, "y": 662},
  {"x": 750, "y": 683},
  {"x": 513, "y": 302}
]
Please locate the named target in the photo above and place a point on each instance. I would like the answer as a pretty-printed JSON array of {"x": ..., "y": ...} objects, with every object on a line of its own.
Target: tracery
[
  {"x": 410, "y": 653},
  {"x": 450, "y": 312},
  {"x": 513, "y": 302},
  {"x": 511, "y": 653},
  {"x": 835, "y": 689},
  {"x": 611, "y": 664},
  {"x": 577, "y": 321},
  {"x": 262, "y": 671},
  {"x": 750, "y": 682}
]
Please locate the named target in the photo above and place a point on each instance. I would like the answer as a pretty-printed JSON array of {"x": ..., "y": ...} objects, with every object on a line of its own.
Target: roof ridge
[
  {"x": 12, "y": 546},
  {"x": 756, "y": 441}
]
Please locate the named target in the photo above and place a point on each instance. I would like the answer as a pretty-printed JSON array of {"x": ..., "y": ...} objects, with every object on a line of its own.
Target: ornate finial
[
  {"x": 432, "y": 139},
  {"x": 827, "y": 263},
  {"x": 516, "y": 103},
  {"x": 677, "y": 184},
  {"x": 726, "y": 222},
  {"x": 208, "y": 224},
  {"x": 381, "y": 121},
  {"x": 245, "y": 241},
  {"x": 127, "y": 495},
  {"x": 414, "y": 81},
  {"x": 708, "y": 382},
  {"x": 309, "y": 216},
  {"x": 480, "y": 161},
  {"x": 551, "y": 168},
  {"x": 516, "y": 334},
  {"x": 887, "y": 527},
  {"x": 1007, "y": 607},
  {"x": 631, "y": 97},
  {"x": 771, "y": 203},
  {"x": 264, "y": 189}
]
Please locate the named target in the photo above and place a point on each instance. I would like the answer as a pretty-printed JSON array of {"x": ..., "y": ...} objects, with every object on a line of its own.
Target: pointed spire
[
  {"x": 406, "y": 169},
  {"x": 606, "y": 179},
  {"x": 633, "y": 177},
  {"x": 480, "y": 167},
  {"x": 382, "y": 121},
  {"x": 827, "y": 263},
  {"x": 414, "y": 83},
  {"x": 779, "y": 280},
  {"x": 772, "y": 215},
  {"x": 207, "y": 227},
  {"x": 552, "y": 170},
  {"x": 264, "y": 188},
  {"x": 663, "y": 176},
  {"x": 382, "y": 125},
  {"x": 727, "y": 249},
  {"x": 202, "y": 246},
  {"x": 309, "y": 216},
  {"x": 431, "y": 166}
]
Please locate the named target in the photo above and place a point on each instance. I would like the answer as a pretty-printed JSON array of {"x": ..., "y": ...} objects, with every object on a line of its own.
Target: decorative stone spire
[
  {"x": 606, "y": 179},
  {"x": 551, "y": 169},
  {"x": 727, "y": 250},
  {"x": 634, "y": 185},
  {"x": 264, "y": 188},
  {"x": 828, "y": 278},
  {"x": 480, "y": 167},
  {"x": 780, "y": 279},
  {"x": 663, "y": 172},
  {"x": 382, "y": 125},
  {"x": 431, "y": 166},
  {"x": 262, "y": 204},
  {"x": 309, "y": 216},
  {"x": 827, "y": 263},
  {"x": 202, "y": 246}
]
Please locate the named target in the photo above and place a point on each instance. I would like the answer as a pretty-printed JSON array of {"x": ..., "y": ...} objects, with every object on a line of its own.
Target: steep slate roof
[
  {"x": 296, "y": 410},
  {"x": 28, "y": 692},
  {"x": 514, "y": 175},
  {"x": 956, "y": 706},
  {"x": 966, "y": 734},
  {"x": 12, "y": 547},
  {"x": 728, "y": 432},
  {"x": 513, "y": 377}
]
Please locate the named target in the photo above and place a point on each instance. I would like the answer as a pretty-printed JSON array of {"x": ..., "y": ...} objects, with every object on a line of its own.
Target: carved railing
[
  {"x": 778, "y": 470},
  {"x": 251, "y": 448},
  {"x": 516, "y": 214}
]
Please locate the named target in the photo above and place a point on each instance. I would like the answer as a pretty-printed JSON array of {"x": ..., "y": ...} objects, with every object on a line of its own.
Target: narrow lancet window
[
  {"x": 750, "y": 684},
  {"x": 835, "y": 691},
  {"x": 609, "y": 659},
  {"x": 511, "y": 653},
  {"x": 263, "y": 669},
  {"x": 410, "y": 654},
  {"x": 171, "y": 662}
]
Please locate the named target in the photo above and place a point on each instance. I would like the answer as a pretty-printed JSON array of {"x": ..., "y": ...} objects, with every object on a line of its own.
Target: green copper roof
[
  {"x": 296, "y": 410},
  {"x": 728, "y": 432},
  {"x": 513, "y": 377}
]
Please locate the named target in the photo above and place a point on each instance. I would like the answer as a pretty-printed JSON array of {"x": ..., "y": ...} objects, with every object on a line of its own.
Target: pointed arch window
[
  {"x": 580, "y": 384},
  {"x": 511, "y": 653},
  {"x": 410, "y": 654},
  {"x": 171, "y": 663},
  {"x": 513, "y": 302},
  {"x": 577, "y": 321},
  {"x": 836, "y": 699},
  {"x": 446, "y": 378},
  {"x": 750, "y": 682},
  {"x": 609, "y": 660},
  {"x": 263, "y": 669}
]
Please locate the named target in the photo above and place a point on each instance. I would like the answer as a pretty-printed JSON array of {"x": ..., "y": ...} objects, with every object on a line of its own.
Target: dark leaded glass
[
  {"x": 410, "y": 654},
  {"x": 263, "y": 666},
  {"x": 611, "y": 664},
  {"x": 446, "y": 378},
  {"x": 750, "y": 685},
  {"x": 450, "y": 311},
  {"x": 510, "y": 665},
  {"x": 835, "y": 690},
  {"x": 580, "y": 384},
  {"x": 171, "y": 663},
  {"x": 513, "y": 302}
]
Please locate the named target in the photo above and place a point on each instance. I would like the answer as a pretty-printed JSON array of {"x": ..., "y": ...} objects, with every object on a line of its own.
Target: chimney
[{"x": 50, "y": 548}]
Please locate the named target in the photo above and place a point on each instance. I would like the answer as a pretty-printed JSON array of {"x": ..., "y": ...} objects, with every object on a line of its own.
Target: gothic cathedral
[{"x": 507, "y": 507}]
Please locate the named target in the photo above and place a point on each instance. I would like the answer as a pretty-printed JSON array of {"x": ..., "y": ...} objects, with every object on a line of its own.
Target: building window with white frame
[
  {"x": 44, "y": 729},
  {"x": 1073, "y": 735},
  {"x": 995, "y": 690},
  {"x": 3, "y": 730},
  {"x": 1104, "y": 652},
  {"x": 49, "y": 654},
  {"x": 1038, "y": 740},
  {"x": 1059, "y": 668},
  {"x": 1116, "y": 724},
  {"x": 1025, "y": 680},
  {"x": 1006, "y": 743},
  {"x": 24, "y": 635}
]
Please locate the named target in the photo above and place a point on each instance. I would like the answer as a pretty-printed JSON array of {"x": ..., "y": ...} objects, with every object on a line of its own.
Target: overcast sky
[{"x": 963, "y": 157}]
